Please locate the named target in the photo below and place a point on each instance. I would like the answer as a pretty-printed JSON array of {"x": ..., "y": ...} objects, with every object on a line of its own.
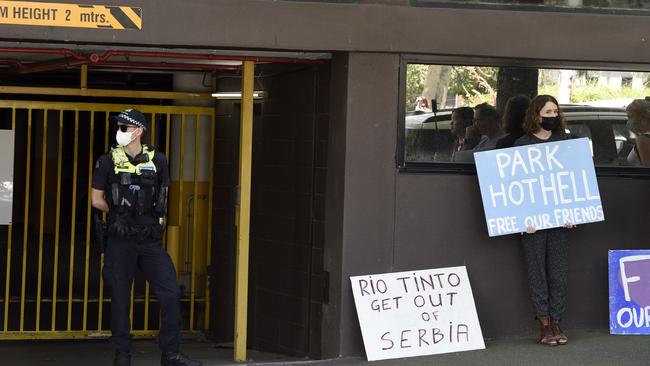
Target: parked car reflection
[{"x": 428, "y": 137}]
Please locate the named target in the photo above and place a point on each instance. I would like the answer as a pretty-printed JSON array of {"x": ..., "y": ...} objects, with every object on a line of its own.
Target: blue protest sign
[
  {"x": 542, "y": 186},
  {"x": 629, "y": 291}
]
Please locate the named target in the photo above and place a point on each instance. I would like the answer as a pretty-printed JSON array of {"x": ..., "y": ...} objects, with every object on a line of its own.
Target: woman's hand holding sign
[{"x": 532, "y": 230}]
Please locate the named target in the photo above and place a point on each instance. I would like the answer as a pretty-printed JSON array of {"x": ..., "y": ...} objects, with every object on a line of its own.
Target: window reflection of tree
[{"x": 621, "y": 4}]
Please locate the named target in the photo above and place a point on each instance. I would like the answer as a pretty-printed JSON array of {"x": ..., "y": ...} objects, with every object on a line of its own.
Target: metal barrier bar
[
  {"x": 35, "y": 104},
  {"x": 100, "y": 311},
  {"x": 181, "y": 177},
  {"x": 146, "y": 283},
  {"x": 73, "y": 216},
  {"x": 41, "y": 223},
  {"x": 208, "y": 254},
  {"x": 134, "y": 94},
  {"x": 197, "y": 142},
  {"x": 58, "y": 220},
  {"x": 167, "y": 135},
  {"x": 9, "y": 233},
  {"x": 26, "y": 222},
  {"x": 167, "y": 148},
  {"x": 75, "y": 334},
  {"x": 243, "y": 229},
  {"x": 88, "y": 215},
  {"x": 196, "y": 303}
]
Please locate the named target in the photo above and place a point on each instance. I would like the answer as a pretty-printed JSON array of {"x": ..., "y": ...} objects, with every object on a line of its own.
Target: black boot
[
  {"x": 177, "y": 359},
  {"x": 122, "y": 359}
]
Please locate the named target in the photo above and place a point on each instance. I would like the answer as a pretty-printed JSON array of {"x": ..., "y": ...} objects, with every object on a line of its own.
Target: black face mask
[{"x": 550, "y": 123}]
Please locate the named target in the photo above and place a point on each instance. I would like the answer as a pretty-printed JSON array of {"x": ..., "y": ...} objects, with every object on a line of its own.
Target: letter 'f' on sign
[{"x": 624, "y": 278}]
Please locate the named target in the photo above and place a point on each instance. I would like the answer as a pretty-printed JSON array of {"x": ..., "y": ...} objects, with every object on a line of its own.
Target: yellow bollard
[{"x": 173, "y": 244}]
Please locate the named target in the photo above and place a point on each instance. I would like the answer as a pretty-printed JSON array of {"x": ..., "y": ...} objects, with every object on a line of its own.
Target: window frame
[
  {"x": 469, "y": 168},
  {"x": 529, "y": 7}
]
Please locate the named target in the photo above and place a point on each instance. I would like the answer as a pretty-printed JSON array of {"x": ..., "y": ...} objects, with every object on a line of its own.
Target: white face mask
[{"x": 124, "y": 138}]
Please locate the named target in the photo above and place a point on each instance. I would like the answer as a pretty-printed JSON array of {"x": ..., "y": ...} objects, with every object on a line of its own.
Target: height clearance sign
[
  {"x": 542, "y": 186},
  {"x": 70, "y": 15}
]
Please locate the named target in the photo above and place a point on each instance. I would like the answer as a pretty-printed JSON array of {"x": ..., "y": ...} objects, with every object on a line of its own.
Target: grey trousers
[{"x": 546, "y": 253}]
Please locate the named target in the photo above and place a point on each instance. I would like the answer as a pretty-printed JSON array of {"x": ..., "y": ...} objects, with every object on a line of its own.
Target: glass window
[{"x": 452, "y": 111}]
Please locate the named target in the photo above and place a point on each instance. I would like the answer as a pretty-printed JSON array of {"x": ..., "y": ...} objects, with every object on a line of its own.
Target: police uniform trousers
[
  {"x": 121, "y": 259},
  {"x": 546, "y": 254}
]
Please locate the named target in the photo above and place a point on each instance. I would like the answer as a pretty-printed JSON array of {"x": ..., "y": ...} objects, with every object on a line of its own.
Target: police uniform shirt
[{"x": 104, "y": 168}]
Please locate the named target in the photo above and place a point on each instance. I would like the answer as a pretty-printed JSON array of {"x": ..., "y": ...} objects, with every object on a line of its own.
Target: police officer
[{"x": 130, "y": 183}]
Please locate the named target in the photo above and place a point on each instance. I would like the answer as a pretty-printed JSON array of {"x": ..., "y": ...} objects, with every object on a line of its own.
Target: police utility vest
[{"x": 134, "y": 184}]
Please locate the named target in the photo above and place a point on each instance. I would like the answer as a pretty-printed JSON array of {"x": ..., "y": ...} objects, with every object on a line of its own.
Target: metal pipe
[
  {"x": 197, "y": 142},
  {"x": 26, "y": 220},
  {"x": 181, "y": 177},
  {"x": 94, "y": 58},
  {"x": 243, "y": 227},
  {"x": 88, "y": 215},
  {"x": 189, "y": 56},
  {"x": 73, "y": 216},
  {"x": 208, "y": 254},
  {"x": 100, "y": 310},
  {"x": 58, "y": 219},
  {"x": 9, "y": 234},
  {"x": 42, "y": 222}
]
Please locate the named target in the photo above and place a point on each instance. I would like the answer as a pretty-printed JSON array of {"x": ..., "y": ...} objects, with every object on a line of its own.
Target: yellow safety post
[
  {"x": 26, "y": 228},
  {"x": 58, "y": 220},
  {"x": 243, "y": 211},
  {"x": 9, "y": 231},
  {"x": 73, "y": 216},
  {"x": 41, "y": 224}
]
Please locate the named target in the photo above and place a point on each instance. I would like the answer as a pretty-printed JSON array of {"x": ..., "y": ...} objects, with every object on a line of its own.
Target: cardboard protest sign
[
  {"x": 543, "y": 186},
  {"x": 416, "y": 313},
  {"x": 629, "y": 291}
]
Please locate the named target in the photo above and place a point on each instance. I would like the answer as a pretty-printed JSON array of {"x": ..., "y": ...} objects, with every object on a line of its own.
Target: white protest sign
[{"x": 417, "y": 313}]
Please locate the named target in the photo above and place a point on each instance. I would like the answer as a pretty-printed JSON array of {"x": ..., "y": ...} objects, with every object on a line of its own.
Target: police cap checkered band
[{"x": 131, "y": 117}]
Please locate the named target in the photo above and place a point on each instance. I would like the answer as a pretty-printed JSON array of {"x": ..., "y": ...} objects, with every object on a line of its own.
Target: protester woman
[{"x": 546, "y": 251}]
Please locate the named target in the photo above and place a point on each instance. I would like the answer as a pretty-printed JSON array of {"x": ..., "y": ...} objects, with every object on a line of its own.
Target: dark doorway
[{"x": 286, "y": 279}]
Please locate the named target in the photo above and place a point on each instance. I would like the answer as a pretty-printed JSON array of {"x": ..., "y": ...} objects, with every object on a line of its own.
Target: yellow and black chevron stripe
[{"x": 70, "y": 15}]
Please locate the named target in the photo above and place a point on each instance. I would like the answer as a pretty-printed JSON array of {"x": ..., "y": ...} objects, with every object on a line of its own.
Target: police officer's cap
[{"x": 131, "y": 117}]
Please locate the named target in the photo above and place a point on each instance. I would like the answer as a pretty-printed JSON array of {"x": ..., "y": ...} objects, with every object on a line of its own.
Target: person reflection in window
[
  {"x": 471, "y": 139},
  {"x": 513, "y": 120},
  {"x": 486, "y": 120},
  {"x": 638, "y": 123},
  {"x": 461, "y": 118}
]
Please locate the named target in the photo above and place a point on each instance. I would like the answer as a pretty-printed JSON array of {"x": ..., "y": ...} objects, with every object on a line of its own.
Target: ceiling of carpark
[{"x": 21, "y": 58}]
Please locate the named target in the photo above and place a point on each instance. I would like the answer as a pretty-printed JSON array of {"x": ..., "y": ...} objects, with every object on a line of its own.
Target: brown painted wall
[
  {"x": 258, "y": 24},
  {"x": 392, "y": 221},
  {"x": 363, "y": 178}
]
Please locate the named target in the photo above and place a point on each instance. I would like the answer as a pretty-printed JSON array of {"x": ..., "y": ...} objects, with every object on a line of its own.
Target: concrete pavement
[{"x": 585, "y": 348}]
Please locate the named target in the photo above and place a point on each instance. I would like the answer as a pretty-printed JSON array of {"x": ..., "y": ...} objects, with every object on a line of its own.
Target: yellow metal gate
[{"x": 53, "y": 288}]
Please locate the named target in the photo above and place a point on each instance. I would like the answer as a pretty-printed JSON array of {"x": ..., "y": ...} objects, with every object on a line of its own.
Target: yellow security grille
[{"x": 53, "y": 288}]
